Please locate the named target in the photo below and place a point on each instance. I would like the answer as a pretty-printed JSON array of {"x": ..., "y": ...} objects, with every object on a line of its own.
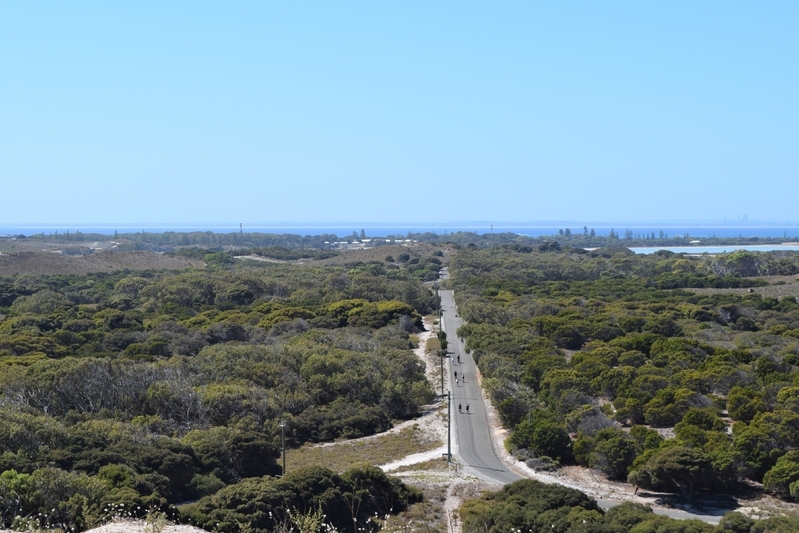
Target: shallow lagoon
[{"x": 717, "y": 249}]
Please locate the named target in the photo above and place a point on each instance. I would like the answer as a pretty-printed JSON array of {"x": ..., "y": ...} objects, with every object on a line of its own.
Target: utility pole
[
  {"x": 283, "y": 444},
  {"x": 441, "y": 360},
  {"x": 442, "y": 353},
  {"x": 449, "y": 432},
  {"x": 438, "y": 304}
]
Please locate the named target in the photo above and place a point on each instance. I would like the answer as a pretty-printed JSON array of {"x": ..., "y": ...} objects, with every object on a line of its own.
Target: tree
[
  {"x": 706, "y": 419},
  {"x": 614, "y": 452},
  {"x": 757, "y": 450},
  {"x": 668, "y": 407},
  {"x": 346, "y": 500},
  {"x": 782, "y": 475},
  {"x": 529, "y": 505},
  {"x": 788, "y": 399},
  {"x": 51, "y": 496},
  {"x": 373, "y": 492},
  {"x": 557, "y": 381},
  {"x": 675, "y": 468},
  {"x": 628, "y": 514},
  {"x": 744, "y": 403},
  {"x": 734, "y": 522},
  {"x": 544, "y": 436}
]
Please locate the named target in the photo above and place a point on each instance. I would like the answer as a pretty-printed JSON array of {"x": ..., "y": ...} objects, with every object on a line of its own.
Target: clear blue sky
[{"x": 398, "y": 111}]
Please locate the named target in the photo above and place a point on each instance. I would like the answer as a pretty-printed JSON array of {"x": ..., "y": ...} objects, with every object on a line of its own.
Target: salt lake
[{"x": 717, "y": 249}]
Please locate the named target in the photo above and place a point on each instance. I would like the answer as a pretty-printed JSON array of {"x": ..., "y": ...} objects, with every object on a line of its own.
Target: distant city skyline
[
  {"x": 539, "y": 228},
  {"x": 414, "y": 111}
]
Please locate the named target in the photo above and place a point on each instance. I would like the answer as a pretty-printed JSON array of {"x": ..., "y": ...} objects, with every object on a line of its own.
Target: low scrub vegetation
[
  {"x": 149, "y": 389},
  {"x": 532, "y": 506},
  {"x": 585, "y": 353}
]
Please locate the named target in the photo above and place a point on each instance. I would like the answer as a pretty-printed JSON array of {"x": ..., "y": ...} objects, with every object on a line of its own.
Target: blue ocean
[{"x": 373, "y": 230}]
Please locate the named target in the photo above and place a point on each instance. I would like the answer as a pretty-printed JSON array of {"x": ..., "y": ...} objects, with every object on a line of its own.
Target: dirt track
[{"x": 55, "y": 263}]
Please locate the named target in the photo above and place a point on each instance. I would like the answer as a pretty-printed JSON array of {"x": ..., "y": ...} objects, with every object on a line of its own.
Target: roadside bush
[
  {"x": 51, "y": 497},
  {"x": 337, "y": 420},
  {"x": 348, "y": 501},
  {"x": 529, "y": 505}
]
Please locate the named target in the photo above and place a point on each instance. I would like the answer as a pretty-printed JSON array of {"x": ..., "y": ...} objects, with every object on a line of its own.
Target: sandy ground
[
  {"x": 458, "y": 486},
  {"x": 135, "y": 526},
  {"x": 259, "y": 258},
  {"x": 594, "y": 483},
  {"x": 432, "y": 423},
  {"x": 139, "y": 526}
]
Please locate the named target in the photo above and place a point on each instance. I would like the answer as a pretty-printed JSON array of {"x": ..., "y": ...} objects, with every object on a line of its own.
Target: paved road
[{"x": 471, "y": 432}]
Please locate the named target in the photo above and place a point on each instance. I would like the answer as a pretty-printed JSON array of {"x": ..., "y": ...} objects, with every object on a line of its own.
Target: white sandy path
[
  {"x": 134, "y": 526},
  {"x": 415, "y": 459},
  {"x": 431, "y": 422},
  {"x": 139, "y": 526},
  {"x": 259, "y": 258}
]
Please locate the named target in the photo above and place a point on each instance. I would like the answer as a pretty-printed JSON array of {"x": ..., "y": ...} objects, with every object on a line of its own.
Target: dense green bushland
[
  {"x": 406, "y": 263},
  {"x": 534, "y": 507},
  {"x": 584, "y": 353},
  {"x": 356, "y": 500},
  {"x": 154, "y": 388}
]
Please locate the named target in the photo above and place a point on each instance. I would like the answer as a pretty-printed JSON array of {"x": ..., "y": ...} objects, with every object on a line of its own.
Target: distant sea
[{"x": 697, "y": 232}]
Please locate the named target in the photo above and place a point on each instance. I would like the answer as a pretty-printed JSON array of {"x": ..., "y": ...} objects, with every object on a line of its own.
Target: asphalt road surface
[{"x": 471, "y": 431}]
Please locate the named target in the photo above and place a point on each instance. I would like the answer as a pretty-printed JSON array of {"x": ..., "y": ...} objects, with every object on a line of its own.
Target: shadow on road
[
  {"x": 716, "y": 505},
  {"x": 485, "y": 468}
]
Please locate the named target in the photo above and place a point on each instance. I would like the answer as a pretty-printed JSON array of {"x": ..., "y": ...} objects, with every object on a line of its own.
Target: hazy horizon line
[{"x": 423, "y": 224}]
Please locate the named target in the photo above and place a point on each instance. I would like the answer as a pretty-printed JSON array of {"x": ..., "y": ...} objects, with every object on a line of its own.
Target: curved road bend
[{"x": 472, "y": 432}]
